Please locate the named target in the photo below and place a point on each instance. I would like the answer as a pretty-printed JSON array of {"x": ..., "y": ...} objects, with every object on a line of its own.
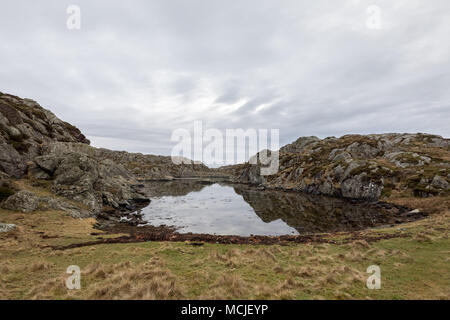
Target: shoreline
[{"x": 167, "y": 234}]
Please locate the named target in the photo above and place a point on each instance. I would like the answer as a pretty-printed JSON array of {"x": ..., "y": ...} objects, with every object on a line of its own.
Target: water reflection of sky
[{"x": 215, "y": 209}]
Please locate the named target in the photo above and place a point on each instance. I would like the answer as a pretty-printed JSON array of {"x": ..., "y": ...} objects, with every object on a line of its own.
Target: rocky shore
[{"x": 367, "y": 167}]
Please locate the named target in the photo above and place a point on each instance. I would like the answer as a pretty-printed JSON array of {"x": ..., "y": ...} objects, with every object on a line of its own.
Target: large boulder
[
  {"x": 54, "y": 203},
  {"x": 11, "y": 161},
  {"x": 23, "y": 201},
  {"x": 79, "y": 174},
  {"x": 440, "y": 182},
  {"x": 360, "y": 187},
  {"x": 27, "y": 201},
  {"x": 75, "y": 178}
]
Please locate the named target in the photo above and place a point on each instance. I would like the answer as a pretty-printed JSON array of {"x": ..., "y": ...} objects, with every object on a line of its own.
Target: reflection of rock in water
[
  {"x": 309, "y": 214},
  {"x": 174, "y": 188},
  {"x": 303, "y": 212}
]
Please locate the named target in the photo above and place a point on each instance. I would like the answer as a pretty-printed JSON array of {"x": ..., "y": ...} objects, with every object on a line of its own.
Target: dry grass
[
  {"x": 414, "y": 267},
  {"x": 145, "y": 281}
]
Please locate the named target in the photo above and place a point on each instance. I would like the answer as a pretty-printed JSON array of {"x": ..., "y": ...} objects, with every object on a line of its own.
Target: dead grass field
[{"x": 413, "y": 267}]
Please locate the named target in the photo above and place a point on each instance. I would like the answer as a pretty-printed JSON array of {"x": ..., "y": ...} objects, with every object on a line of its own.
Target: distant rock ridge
[{"x": 366, "y": 167}]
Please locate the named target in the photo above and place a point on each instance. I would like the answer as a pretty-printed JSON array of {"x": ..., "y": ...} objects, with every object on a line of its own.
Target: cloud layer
[{"x": 137, "y": 70}]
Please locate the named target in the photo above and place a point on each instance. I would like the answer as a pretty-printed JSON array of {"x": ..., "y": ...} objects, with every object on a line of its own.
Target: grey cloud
[{"x": 138, "y": 70}]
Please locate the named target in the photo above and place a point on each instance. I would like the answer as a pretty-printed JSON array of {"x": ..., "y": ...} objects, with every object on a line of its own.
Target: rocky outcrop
[
  {"x": 300, "y": 145},
  {"x": 36, "y": 144},
  {"x": 23, "y": 201},
  {"x": 142, "y": 167},
  {"x": 360, "y": 167},
  {"x": 27, "y": 134},
  {"x": 77, "y": 173},
  {"x": 359, "y": 187},
  {"x": 99, "y": 177},
  {"x": 27, "y": 202},
  {"x": 53, "y": 203},
  {"x": 24, "y": 127}
]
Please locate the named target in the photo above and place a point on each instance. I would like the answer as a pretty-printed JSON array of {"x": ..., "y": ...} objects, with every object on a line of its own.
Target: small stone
[{"x": 440, "y": 182}]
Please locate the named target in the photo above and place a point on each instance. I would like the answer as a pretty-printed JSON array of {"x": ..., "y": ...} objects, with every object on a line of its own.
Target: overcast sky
[{"x": 137, "y": 70}]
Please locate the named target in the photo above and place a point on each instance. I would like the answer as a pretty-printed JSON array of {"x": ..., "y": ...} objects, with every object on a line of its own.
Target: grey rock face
[
  {"x": 359, "y": 187},
  {"x": 11, "y": 161},
  {"x": 79, "y": 174},
  {"x": 34, "y": 141},
  {"x": 339, "y": 172},
  {"x": 140, "y": 166},
  {"x": 37, "y": 173},
  {"x": 24, "y": 127},
  {"x": 75, "y": 178},
  {"x": 362, "y": 151},
  {"x": 339, "y": 155},
  {"x": 300, "y": 144},
  {"x": 48, "y": 163},
  {"x": 325, "y": 188},
  {"x": 359, "y": 166},
  {"x": 5, "y": 180},
  {"x": 51, "y": 203},
  {"x": 407, "y": 159},
  {"x": 23, "y": 201},
  {"x": 355, "y": 164},
  {"x": 440, "y": 182},
  {"x": 252, "y": 175},
  {"x": 439, "y": 142},
  {"x": 26, "y": 202}
]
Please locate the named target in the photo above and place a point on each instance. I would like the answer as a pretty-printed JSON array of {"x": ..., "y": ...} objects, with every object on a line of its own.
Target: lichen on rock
[
  {"x": 23, "y": 201},
  {"x": 357, "y": 166}
]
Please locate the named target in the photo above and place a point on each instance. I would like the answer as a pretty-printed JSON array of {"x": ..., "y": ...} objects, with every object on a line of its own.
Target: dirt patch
[{"x": 148, "y": 233}]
